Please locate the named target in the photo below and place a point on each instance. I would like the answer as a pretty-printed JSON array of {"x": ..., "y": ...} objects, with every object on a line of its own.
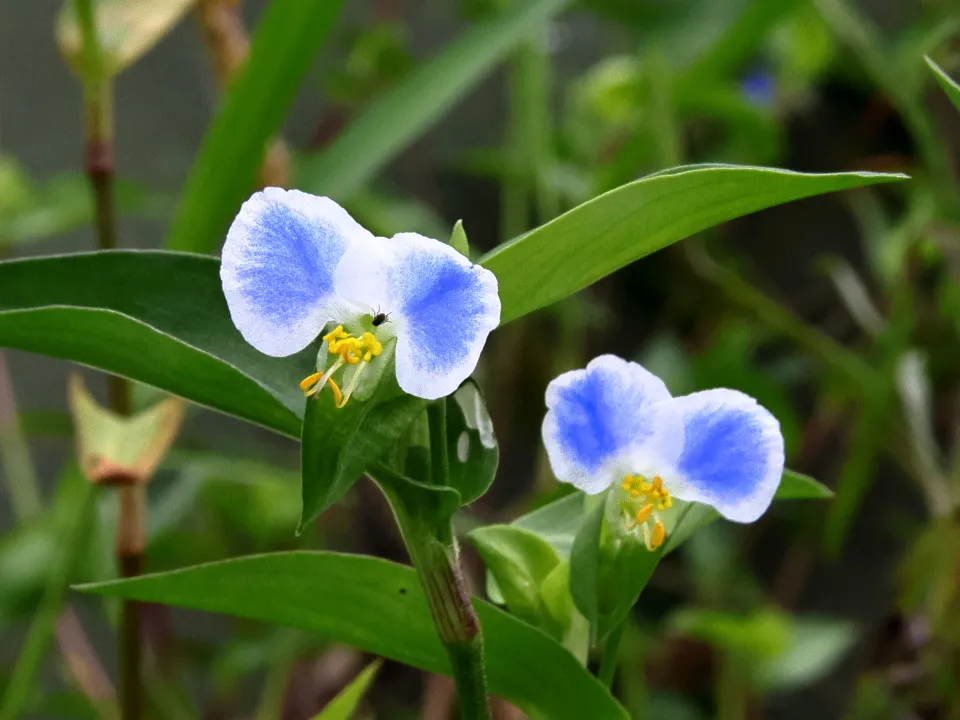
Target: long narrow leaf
[
  {"x": 379, "y": 606},
  {"x": 626, "y": 224},
  {"x": 284, "y": 45},
  {"x": 406, "y": 111}
]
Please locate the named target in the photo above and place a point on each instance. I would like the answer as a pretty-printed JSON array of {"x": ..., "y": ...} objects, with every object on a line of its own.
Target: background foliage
[{"x": 838, "y": 312}]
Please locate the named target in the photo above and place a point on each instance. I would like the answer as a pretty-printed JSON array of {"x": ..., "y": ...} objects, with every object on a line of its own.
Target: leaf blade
[
  {"x": 286, "y": 40},
  {"x": 339, "y": 444},
  {"x": 347, "y": 700},
  {"x": 600, "y": 236},
  {"x": 378, "y": 606},
  {"x": 797, "y": 486},
  {"x": 155, "y": 317},
  {"x": 406, "y": 111},
  {"x": 946, "y": 82}
]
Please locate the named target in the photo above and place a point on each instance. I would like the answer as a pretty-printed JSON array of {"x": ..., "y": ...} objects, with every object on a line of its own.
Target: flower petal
[
  {"x": 441, "y": 307},
  {"x": 605, "y": 421},
  {"x": 732, "y": 456},
  {"x": 278, "y": 264}
]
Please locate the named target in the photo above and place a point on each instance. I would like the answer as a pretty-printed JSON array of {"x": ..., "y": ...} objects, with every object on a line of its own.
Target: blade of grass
[
  {"x": 286, "y": 40},
  {"x": 18, "y": 691},
  {"x": 413, "y": 105}
]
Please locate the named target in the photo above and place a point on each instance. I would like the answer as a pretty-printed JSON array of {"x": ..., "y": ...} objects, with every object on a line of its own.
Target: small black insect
[{"x": 380, "y": 318}]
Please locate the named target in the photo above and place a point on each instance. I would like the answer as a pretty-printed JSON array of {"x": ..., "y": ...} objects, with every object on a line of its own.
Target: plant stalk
[
  {"x": 98, "y": 165},
  {"x": 611, "y": 655},
  {"x": 731, "y": 692},
  {"x": 15, "y": 460},
  {"x": 228, "y": 45},
  {"x": 453, "y": 614},
  {"x": 18, "y": 690},
  {"x": 131, "y": 540},
  {"x": 433, "y": 551}
]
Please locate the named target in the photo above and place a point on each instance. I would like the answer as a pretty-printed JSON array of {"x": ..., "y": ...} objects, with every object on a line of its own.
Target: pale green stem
[
  {"x": 859, "y": 34},
  {"x": 611, "y": 655},
  {"x": 731, "y": 690},
  {"x": 15, "y": 460},
  {"x": 98, "y": 166},
  {"x": 19, "y": 688}
]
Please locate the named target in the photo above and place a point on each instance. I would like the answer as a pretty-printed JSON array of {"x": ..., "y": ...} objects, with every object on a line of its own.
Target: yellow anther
[
  {"x": 654, "y": 498},
  {"x": 332, "y": 338},
  {"x": 370, "y": 340},
  {"x": 352, "y": 351},
  {"x": 658, "y": 536},
  {"x": 337, "y": 395},
  {"x": 309, "y": 382}
]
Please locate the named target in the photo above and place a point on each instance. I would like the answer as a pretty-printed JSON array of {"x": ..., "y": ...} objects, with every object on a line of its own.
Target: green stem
[
  {"x": 847, "y": 364},
  {"x": 275, "y": 685},
  {"x": 433, "y": 551},
  {"x": 15, "y": 461},
  {"x": 859, "y": 34},
  {"x": 521, "y": 147},
  {"x": 663, "y": 115},
  {"x": 44, "y": 622},
  {"x": 453, "y": 614},
  {"x": 98, "y": 166},
  {"x": 611, "y": 654},
  {"x": 731, "y": 693},
  {"x": 130, "y": 543}
]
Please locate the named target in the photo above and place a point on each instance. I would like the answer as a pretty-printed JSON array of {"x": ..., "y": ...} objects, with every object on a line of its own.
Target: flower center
[
  {"x": 652, "y": 498},
  {"x": 355, "y": 351}
]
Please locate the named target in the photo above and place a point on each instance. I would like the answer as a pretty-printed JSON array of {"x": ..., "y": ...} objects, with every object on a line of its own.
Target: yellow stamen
[
  {"x": 308, "y": 383},
  {"x": 352, "y": 351},
  {"x": 659, "y": 535},
  {"x": 337, "y": 395},
  {"x": 655, "y": 498}
]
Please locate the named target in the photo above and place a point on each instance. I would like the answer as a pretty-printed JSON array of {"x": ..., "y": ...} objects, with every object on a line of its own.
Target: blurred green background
[{"x": 841, "y": 314}]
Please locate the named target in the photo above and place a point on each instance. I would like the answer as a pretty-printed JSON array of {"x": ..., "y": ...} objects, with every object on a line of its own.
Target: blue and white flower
[
  {"x": 615, "y": 425},
  {"x": 294, "y": 263}
]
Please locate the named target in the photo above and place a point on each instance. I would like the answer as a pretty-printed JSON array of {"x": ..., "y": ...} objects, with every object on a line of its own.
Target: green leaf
[
  {"x": 856, "y": 476},
  {"x": 797, "y": 486},
  {"x": 379, "y": 607},
  {"x": 585, "y": 561},
  {"x": 946, "y": 82},
  {"x": 632, "y": 221},
  {"x": 30, "y": 550},
  {"x": 338, "y": 444},
  {"x": 762, "y": 635},
  {"x": 430, "y": 505},
  {"x": 30, "y": 212},
  {"x": 609, "y": 583},
  {"x": 283, "y": 47},
  {"x": 71, "y": 542},
  {"x": 159, "y": 318},
  {"x": 345, "y": 704},
  {"x": 556, "y": 522},
  {"x": 520, "y": 561},
  {"x": 472, "y": 450},
  {"x": 458, "y": 239},
  {"x": 127, "y": 29},
  {"x": 817, "y": 645},
  {"x": 410, "y": 107}
]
